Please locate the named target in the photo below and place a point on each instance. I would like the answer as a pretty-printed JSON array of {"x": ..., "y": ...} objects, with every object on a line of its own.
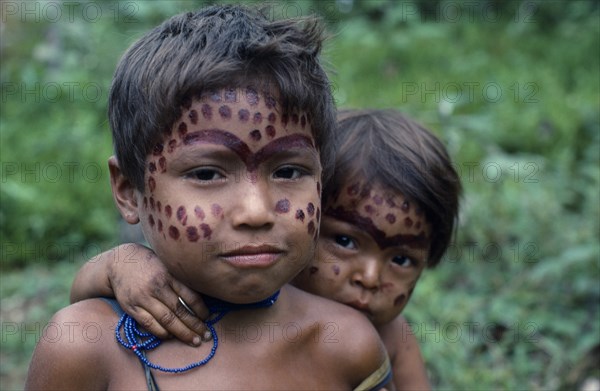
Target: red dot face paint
[
  {"x": 162, "y": 163},
  {"x": 390, "y": 218},
  {"x": 168, "y": 211},
  {"x": 295, "y": 119},
  {"x": 378, "y": 199},
  {"x": 171, "y": 145},
  {"x": 151, "y": 220},
  {"x": 303, "y": 121},
  {"x": 151, "y": 203},
  {"x": 192, "y": 234},
  {"x": 182, "y": 129},
  {"x": 216, "y": 209},
  {"x": 270, "y": 130},
  {"x": 257, "y": 118},
  {"x": 193, "y": 115},
  {"x": 251, "y": 96},
  {"x": 173, "y": 232},
  {"x": 300, "y": 215},
  {"x": 152, "y": 167},
  {"x": 255, "y": 135},
  {"x": 225, "y": 112},
  {"x": 199, "y": 213},
  {"x": 158, "y": 149},
  {"x": 244, "y": 115},
  {"x": 336, "y": 270},
  {"x": 310, "y": 209},
  {"x": 230, "y": 95},
  {"x": 206, "y": 231},
  {"x": 151, "y": 184},
  {"x": 282, "y": 206},
  {"x": 206, "y": 111},
  {"x": 182, "y": 215},
  {"x": 284, "y": 120},
  {"x": 408, "y": 222},
  {"x": 272, "y": 118},
  {"x": 311, "y": 227},
  {"x": 270, "y": 101},
  {"x": 369, "y": 209}
]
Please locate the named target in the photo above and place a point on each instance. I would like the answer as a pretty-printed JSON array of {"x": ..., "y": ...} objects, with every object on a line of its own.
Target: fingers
[{"x": 192, "y": 299}]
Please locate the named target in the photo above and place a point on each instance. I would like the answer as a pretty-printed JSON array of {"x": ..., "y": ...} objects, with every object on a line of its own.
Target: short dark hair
[
  {"x": 387, "y": 148},
  {"x": 217, "y": 47}
]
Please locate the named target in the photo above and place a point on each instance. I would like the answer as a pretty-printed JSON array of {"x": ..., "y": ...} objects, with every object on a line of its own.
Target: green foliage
[{"x": 510, "y": 87}]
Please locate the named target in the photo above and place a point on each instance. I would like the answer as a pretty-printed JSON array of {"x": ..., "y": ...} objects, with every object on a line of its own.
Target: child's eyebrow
[
  {"x": 365, "y": 224},
  {"x": 251, "y": 159}
]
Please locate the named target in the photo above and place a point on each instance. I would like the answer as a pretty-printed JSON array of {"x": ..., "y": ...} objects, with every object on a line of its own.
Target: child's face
[
  {"x": 232, "y": 196},
  {"x": 372, "y": 249}
]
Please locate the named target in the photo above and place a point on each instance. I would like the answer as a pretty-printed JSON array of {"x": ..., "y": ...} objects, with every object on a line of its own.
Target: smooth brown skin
[{"x": 205, "y": 172}]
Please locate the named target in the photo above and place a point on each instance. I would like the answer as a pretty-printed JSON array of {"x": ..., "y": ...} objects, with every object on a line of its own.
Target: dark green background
[{"x": 512, "y": 88}]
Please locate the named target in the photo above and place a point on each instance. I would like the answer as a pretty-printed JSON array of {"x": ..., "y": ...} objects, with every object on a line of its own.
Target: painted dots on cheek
[
  {"x": 255, "y": 135},
  {"x": 216, "y": 210},
  {"x": 193, "y": 115},
  {"x": 162, "y": 163},
  {"x": 303, "y": 122},
  {"x": 295, "y": 119},
  {"x": 199, "y": 213},
  {"x": 152, "y": 167},
  {"x": 272, "y": 118},
  {"x": 173, "y": 232},
  {"x": 151, "y": 220},
  {"x": 390, "y": 218},
  {"x": 369, "y": 209},
  {"x": 270, "y": 130},
  {"x": 192, "y": 234},
  {"x": 311, "y": 228},
  {"x": 171, "y": 145},
  {"x": 243, "y": 115},
  {"x": 408, "y": 222},
  {"x": 182, "y": 215},
  {"x": 282, "y": 206},
  {"x": 158, "y": 149},
  {"x": 378, "y": 199},
  {"x": 336, "y": 270},
  {"x": 206, "y": 231},
  {"x": 257, "y": 118},
  {"x": 182, "y": 129},
  {"x": 225, "y": 112},
  {"x": 168, "y": 211},
  {"x": 284, "y": 120},
  {"x": 151, "y": 184},
  {"x": 300, "y": 215},
  {"x": 206, "y": 110},
  {"x": 152, "y": 203},
  {"x": 310, "y": 209}
]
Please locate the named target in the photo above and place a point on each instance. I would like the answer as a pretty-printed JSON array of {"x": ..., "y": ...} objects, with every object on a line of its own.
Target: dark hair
[
  {"x": 387, "y": 148},
  {"x": 217, "y": 47}
]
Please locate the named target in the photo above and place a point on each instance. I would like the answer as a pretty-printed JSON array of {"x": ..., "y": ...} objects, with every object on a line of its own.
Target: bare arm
[
  {"x": 407, "y": 363},
  {"x": 145, "y": 290}
]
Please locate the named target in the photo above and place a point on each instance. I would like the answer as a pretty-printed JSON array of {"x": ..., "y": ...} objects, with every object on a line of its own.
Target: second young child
[{"x": 389, "y": 213}]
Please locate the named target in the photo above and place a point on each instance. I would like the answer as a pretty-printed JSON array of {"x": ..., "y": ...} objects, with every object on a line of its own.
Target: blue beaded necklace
[{"x": 138, "y": 341}]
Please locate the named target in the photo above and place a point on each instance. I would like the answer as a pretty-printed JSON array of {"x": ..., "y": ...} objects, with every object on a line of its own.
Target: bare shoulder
[
  {"x": 347, "y": 339},
  {"x": 72, "y": 352}
]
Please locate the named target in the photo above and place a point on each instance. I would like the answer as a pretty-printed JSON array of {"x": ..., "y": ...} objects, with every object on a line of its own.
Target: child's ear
[{"x": 124, "y": 192}]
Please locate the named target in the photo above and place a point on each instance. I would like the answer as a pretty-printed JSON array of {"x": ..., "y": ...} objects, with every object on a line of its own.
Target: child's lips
[{"x": 253, "y": 256}]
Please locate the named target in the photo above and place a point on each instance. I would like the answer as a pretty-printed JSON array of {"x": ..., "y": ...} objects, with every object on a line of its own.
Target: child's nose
[
  {"x": 367, "y": 274},
  {"x": 253, "y": 205}
]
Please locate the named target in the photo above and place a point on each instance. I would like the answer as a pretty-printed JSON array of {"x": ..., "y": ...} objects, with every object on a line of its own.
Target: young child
[
  {"x": 221, "y": 121},
  {"x": 389, "y": 212}
]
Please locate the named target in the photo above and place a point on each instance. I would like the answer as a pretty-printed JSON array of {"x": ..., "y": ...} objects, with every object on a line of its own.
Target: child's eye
[
  {"x": 345, "y": 241},
  {"x": 403, "y": 261},
  {"x": 205, "y": 174},
  {"x": 289, "y": 172}
]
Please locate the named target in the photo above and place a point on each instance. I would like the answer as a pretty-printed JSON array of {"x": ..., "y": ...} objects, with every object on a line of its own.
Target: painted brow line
[
  {"x": 250, "y": 159},
  {"x": 365, "y": 223}
]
